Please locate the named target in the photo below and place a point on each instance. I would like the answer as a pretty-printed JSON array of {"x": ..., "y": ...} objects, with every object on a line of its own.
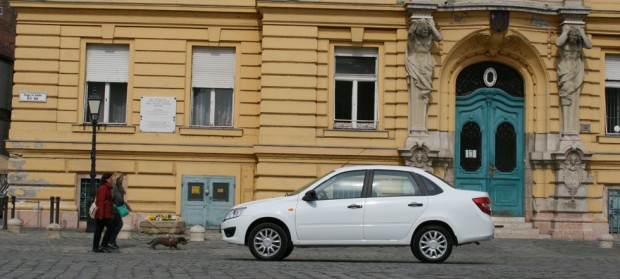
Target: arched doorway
[{"x": 489, "y": 136}]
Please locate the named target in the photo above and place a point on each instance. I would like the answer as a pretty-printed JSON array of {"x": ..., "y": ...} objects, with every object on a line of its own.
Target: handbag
[
  {"x": 92, "y": 211},
  {"x": 122, "y": 210}
]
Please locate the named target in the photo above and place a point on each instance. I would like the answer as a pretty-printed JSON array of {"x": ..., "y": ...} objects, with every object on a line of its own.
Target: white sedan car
[{"x": 364, "y": 206}]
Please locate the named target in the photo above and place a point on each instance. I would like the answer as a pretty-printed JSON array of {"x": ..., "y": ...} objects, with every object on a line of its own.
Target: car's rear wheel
[
  {"x": 269, "y": 242},
  {"x": 432, "y": 244}
]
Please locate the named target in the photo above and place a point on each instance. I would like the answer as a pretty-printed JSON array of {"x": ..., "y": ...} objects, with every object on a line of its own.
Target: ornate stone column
[
  {"x": 567, "y": 210},
  {"x": 419, "y": 62},
  {"x": 571, "y": 67},
  {"x": 565, "y": 213},
  {"x": 570, "y": 203},
  {"x": 423, "y": 149}
]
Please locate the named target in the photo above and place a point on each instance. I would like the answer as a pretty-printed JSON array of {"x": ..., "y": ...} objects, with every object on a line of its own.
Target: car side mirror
[{"x": 310, "y": 196}]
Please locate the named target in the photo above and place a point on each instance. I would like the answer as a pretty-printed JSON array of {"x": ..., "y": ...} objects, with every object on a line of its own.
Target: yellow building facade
[{"x": 266, "y": 96}]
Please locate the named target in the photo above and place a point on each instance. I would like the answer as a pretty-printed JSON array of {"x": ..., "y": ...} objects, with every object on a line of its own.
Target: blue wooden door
[
  {"x": 220, "y": 199},
  {"x": 489, "y": 153},
  {"x": 206, "y": 199}
]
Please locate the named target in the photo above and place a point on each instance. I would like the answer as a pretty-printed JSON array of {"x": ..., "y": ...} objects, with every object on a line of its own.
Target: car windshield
[{"x": 301, "y": 189}]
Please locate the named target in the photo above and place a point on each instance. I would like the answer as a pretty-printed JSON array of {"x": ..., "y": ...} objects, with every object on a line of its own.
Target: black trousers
[
  {"x": 117, "y": 225},
  {"x": 99, "y": 225}
]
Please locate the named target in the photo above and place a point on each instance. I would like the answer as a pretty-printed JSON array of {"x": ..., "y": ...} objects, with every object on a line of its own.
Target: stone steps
[{"x": 517, "y": 228}]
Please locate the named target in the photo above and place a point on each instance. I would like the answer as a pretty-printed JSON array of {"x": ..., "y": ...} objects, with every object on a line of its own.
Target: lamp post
[{"x": 94, "y": 103}]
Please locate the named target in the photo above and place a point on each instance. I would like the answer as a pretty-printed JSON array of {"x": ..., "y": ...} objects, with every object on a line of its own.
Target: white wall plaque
[
  {"x": 158, "y": 114},
  {"x": 25, "y": 96}
]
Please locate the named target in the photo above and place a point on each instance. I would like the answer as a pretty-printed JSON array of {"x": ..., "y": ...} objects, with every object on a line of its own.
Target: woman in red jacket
[{"x": 104, "y": 216}]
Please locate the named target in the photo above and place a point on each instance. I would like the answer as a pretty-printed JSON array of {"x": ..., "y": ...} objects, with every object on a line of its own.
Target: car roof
[{"x": 380, "y": 167}]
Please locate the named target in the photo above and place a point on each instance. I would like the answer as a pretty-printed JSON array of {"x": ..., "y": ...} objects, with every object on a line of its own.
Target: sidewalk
[{"x": 37, "y": 240}]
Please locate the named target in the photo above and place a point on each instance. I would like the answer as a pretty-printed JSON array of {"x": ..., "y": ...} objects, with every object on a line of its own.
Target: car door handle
[
  {"x": 355, "y": 206},
  {"x": 415, "y": 204}
]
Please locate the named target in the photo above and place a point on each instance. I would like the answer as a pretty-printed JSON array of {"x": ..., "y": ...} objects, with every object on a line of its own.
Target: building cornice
[
  {"x": 543, "y": 9},
  {"x": 185, "y": 6}
]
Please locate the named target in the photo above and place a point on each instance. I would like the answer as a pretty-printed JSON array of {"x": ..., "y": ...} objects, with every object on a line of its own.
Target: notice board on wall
[{"x": 158, "y": 114}]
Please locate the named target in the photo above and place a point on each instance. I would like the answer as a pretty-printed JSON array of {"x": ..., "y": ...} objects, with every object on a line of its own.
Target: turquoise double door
[
  {"x": 207, "y": 199},
  {"x": 489, "y": 154}
]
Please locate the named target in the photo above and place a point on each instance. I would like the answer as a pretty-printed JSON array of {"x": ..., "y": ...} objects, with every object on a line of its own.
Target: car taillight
[{"x": 484, "y": 204}]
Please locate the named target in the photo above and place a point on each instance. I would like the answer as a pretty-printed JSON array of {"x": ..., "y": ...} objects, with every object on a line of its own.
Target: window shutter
[
  {"x": 107, "y": 63},
  {"x": 213, "y": 67},
  {"x": 612, "y": 70}
]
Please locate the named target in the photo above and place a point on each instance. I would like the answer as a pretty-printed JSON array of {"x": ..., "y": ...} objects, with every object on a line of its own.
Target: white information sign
[
  {"x": 470, "y": 153},
  {"x": 25, "y": 96},
  {"x": 158, "y": 114}
]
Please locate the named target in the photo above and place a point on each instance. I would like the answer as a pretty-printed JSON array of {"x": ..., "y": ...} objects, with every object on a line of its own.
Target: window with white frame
[
  {"x": 355, "y": 89},
  {"x": 213, "y": 79},
  {"x": 107, "y": 72},
  {"x": 612, "y": 94}
]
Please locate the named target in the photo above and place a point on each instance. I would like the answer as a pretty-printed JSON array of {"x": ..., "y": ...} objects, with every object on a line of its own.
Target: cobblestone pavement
[{"x": 32, "y": 254}]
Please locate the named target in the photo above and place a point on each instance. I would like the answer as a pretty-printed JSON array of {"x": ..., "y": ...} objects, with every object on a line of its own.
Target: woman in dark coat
[{"x": 104, "y": 216}]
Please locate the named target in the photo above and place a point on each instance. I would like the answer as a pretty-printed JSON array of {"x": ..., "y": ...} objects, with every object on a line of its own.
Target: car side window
[
  {"x": 346, "y": 185},
  {"x": 430, "y": 186},
  {"x": 394, "y": 184}
]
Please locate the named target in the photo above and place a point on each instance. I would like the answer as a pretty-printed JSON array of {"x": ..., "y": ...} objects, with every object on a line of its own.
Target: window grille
[
  {"x": 472, "y": 78},
  {"x": 85, "y": 197},
  {"x": 614, "y": 211}
]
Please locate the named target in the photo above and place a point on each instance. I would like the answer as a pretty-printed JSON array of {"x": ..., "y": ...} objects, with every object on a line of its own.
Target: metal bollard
[
  {"x": 14, "y": 224},
  {"x": 5, "y": 211},
  {"x": 13, "y": 199},
  {"x": 51, "y": 210},
  {"x": 57, "y": 210}
]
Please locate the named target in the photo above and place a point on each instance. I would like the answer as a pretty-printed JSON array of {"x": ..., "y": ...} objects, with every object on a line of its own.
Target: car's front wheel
[
  {"x": 289, "y": 250},
  {"x": 269, "y": 242},
  {"x": 432, "y": 244}
]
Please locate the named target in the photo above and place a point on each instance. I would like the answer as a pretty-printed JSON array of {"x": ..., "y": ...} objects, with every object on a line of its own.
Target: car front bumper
[{"x": 234, "y": 230}]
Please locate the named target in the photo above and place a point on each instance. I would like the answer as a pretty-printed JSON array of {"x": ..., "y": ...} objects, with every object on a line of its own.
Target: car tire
[
  {"x": 269, "y": 242},
  {"x": 289, "y": 250},
  {"x": 432, "y": 244}
]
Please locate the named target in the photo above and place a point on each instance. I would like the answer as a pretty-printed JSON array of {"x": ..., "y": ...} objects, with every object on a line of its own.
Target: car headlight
[{"x": 234, "y": 213}]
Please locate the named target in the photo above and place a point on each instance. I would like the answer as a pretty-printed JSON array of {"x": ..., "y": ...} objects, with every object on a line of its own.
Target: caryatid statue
[
  {"x": 570, "y": 75},
  {"x": 422, "y": 33}
]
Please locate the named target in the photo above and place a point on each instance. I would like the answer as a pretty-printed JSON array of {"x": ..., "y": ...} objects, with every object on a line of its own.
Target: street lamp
[{"x": 94, "y": 103}]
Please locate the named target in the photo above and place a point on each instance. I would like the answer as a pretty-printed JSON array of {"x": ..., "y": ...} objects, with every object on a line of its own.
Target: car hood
[{"x": 268, "y": 200}]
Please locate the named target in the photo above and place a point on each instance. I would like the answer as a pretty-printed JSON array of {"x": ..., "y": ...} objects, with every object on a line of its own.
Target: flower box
[{"x": 162, "y": 227}]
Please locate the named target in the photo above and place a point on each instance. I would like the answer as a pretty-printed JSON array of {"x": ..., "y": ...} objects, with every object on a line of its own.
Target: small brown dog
[{"x": 167, "y": 241}]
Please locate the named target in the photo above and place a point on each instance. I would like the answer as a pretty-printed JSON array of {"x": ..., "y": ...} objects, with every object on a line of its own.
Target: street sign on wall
[{"x": 25, "y": 96}]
